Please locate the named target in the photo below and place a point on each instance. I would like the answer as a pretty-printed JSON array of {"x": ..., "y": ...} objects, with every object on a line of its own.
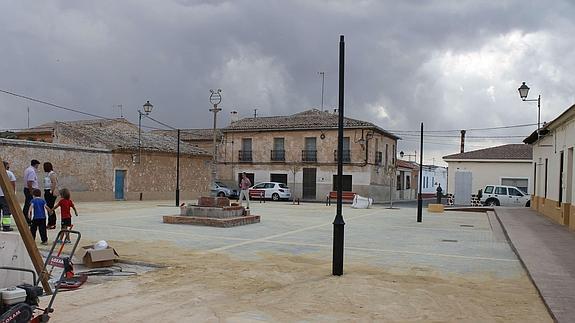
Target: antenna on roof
[{"x": 119, "y": 106}]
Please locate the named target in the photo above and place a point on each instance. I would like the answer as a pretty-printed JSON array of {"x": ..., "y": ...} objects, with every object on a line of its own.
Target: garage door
[{"x": 520, "y": 183}]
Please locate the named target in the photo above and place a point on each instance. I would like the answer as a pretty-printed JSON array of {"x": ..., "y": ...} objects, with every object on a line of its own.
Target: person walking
[
  {"x": 50, "y": 191},
  {"x": 4, "y": 208},
  {"x": 30, "y": 183},
  {"x": 244, "y": 189},
  {"x": 37, "y": 216}
]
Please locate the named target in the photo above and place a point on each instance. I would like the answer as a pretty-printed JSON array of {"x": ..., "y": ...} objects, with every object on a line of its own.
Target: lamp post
[
  {"x": 215, "y": 99},
  {"x": 401, "y": 154},
  {"x": 322, "y": 83},
  {"x": 147, "y": 110},
  {"x": 523, "y": 91}
]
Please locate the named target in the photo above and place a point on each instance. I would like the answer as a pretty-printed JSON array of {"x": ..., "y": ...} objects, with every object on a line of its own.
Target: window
[
  {"x": 560, "y": 178},
  {"x": 269, "y": 185},
  {"x": 521, "y": 183},
  {"x": 514, "y": 192},
  {"x": 246, "y": 152},
  {"x": 347, "y": 183},
  {"x": 546, "y": 169},
  {"x": 393, "y": 155},
  {"x": 278, "y": 153},
  {"x": 398, "y": 183},
  {"x": 501, "y": 190},
  {"x": 279, "y": 178},
  {"x": 309, "y": 154},
  {"x": 386, "y": 155},
  {"x": 407, "y": 182},
  {"x": 488, "y": 190}
]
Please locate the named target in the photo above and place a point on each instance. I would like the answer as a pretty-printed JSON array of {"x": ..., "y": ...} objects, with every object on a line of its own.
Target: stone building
[
  {"x": 201, "y": 138},
  {"x": 100, "y": 160},
  {"x": 301, "y": 150}
]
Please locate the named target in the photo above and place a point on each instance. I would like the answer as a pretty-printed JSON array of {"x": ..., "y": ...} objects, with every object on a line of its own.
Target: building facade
[
  {"x": 100, "y": 160},
  {"x": 301, "y": 151},
  {"x": 553, "y": 169},
  {"x": 471, "y": 171}
]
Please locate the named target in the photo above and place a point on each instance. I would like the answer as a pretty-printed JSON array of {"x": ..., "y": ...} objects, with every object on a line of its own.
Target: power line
[
  {"x": 469, "y": 129},
  {"x": 69, "y": 109}
]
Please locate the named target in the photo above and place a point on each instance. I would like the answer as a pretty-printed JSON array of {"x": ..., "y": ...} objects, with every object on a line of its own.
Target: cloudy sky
[{"x": 450, "y": 64}]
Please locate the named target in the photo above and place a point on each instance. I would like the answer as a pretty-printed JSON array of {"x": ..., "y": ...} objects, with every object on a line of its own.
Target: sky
[{"x": 450, "y": 64}]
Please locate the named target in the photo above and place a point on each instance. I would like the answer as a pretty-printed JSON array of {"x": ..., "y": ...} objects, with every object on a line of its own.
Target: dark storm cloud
[{"x": 449, "y": 64}]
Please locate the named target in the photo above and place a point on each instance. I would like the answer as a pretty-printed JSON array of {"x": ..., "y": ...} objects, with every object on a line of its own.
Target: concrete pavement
[{"x": 547, "y": 250}]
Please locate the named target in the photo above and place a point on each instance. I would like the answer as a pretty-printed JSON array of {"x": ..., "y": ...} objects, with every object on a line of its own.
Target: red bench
[
  {"x": 257, "y": 194},
  {"x": 345, "y": 196}
]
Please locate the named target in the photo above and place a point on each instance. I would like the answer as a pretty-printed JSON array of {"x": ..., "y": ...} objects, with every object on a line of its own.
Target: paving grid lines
[{"x": 376, "y": 236}]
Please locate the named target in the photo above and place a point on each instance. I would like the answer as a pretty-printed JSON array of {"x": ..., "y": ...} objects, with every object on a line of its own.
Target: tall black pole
[
  {"x": 338, "y": 223},
  {"x": 178, "y": 172},
  {"x": 419, "y": 199}
]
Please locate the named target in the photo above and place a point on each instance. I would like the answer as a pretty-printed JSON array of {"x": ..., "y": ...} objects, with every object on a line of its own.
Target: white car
[
  {"x": 496, "y": 195},
  {"x": 272, "y": 190}
]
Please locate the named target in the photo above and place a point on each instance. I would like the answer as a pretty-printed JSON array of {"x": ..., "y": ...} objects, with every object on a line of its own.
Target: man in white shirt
[
  {"x": 30, "y": 183},
  {"x": 4, "y": 208}
]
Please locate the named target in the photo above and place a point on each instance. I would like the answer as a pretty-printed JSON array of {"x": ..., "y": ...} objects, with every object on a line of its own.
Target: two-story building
[{"x": 301, "y": 151}]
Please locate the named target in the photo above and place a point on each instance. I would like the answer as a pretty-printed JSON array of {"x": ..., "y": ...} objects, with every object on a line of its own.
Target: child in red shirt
[{"x": 65, "y": 204}]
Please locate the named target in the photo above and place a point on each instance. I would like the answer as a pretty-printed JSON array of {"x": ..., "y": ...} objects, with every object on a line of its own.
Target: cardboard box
[{"x": 96, "y": 258}]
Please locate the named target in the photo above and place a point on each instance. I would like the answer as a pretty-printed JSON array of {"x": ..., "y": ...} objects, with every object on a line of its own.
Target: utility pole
[
  {"x": 462, "y": 150},
  {"x": 322, "y": 86},
  {"x": 419, "y": 197},
  {"x": 28, "y": 117},
  {"x": 255, "y": 113}
]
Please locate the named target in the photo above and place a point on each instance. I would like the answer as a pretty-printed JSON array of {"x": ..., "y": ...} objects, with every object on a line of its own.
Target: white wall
[
  {"x": 435, "y": 175},
  {"x": 485, "y": 173},
  {"x": 560, "y": 139}
]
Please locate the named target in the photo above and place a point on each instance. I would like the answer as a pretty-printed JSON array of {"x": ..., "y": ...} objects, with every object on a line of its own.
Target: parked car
[
  {"x": 495, "y": 195},
  {"x": 272, "y": 190},
  {"x": 223, "y": 191}
]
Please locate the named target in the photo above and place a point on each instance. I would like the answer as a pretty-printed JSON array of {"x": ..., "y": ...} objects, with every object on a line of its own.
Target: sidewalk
[{"x": 547, "y": 250}]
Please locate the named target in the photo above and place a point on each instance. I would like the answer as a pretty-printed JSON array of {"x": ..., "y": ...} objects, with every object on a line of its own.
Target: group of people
[{"x": 38, "y": 210}]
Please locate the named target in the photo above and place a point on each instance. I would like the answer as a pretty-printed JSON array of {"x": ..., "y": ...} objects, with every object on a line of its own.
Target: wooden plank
[{"x": 23, "y": 228}]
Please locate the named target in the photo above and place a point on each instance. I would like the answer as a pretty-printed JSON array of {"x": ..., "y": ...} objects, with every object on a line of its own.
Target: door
[
  {"x": 280, "y": 178},
  {"x": 517, "y": 198},
  {"x": 309, "y": 183},
  {"x": 502, "y": 196},
  {"x": 463, "y": 182},
  {"x": 119, "y": 184}
]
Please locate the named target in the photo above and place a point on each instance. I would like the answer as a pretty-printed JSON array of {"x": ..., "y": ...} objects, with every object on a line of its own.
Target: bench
[
  {"x": 345, "y": 196},
  {"x": 257, "y": 194}
]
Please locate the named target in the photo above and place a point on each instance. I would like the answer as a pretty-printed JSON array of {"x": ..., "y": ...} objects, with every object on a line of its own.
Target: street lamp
[
  {"x": 147, "y": 110},
  {"x": 215, "y": 99},
  {"x": 401, "y": 154},
  {"x": 523, "y": 91}
]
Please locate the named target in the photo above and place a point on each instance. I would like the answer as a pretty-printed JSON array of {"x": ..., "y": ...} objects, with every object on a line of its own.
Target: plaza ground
[{"x": 452, "y": 267}]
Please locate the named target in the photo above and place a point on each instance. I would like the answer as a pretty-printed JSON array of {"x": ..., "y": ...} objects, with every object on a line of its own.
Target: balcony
[
  {"x": 346, "y": 156},
  {"x": 309, "y": 155},
  {"x": 278, "y": 155},
  {"x": 245, "y": 156}
]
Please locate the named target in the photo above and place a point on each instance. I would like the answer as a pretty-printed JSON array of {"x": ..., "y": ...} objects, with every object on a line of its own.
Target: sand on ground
[{"x": 209, "y": 287}]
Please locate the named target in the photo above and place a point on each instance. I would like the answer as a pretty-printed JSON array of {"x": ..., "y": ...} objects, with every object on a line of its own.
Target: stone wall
[{"x": 89, "y": 173}]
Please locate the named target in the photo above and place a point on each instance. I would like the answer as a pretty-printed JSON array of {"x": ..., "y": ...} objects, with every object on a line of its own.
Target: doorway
[
  {"x": 309, "y": 183},
  {"x": 119, "y": 184}
]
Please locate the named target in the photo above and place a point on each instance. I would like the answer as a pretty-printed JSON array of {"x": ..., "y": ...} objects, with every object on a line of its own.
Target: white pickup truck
[{"x": 496, "y": 195}]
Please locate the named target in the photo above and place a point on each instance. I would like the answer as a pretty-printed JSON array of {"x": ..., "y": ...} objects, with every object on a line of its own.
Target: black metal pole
[
  {"x": 419, "y": 198},
  {"x": 139, "y": 136},
  {"x": 178, "y": 172},
  {"x": 338, "y": 223}
]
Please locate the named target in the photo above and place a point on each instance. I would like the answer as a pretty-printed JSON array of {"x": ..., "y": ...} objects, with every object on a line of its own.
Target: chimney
[
  {"x": 234, "y": 116},
  {"x": 462, "y": 141}
]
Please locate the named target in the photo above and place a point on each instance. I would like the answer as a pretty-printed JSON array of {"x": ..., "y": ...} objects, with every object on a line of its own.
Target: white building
[
  {"x": 553, "y": 169},
  {"x": 433, "y": 176},
  {"x": 505, "y": 165}
]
